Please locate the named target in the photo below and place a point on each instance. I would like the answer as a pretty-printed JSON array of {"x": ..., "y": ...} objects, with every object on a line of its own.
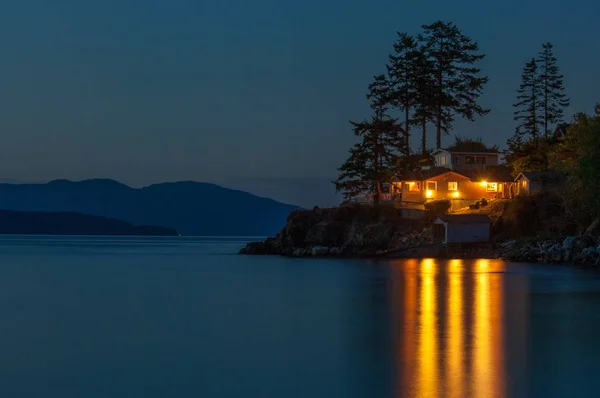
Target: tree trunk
[
  {"x": 407, "y": 132},
  {"x": 377, "y": 193},
  {"x": 424, "y": 137},
  {"x": 438, "y": 133}
]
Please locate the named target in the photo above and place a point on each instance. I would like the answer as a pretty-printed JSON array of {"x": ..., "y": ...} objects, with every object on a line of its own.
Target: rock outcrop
[
  {"x": 346, "y": 231},
  {"x": 583, "y": 250}
]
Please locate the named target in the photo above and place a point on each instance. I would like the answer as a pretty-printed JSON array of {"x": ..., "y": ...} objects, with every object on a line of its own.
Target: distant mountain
[
  {"x": 305, "y": 192},
  {"x": 71, "y": 223},
  {"x": 191, "y": 208}
]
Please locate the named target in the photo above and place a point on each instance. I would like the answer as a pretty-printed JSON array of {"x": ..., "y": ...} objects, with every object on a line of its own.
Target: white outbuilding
[{"x": 463, "y": 228}]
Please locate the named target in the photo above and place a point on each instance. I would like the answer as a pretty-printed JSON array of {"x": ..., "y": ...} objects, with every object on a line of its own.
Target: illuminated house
[{"x": 461, "y": 188}]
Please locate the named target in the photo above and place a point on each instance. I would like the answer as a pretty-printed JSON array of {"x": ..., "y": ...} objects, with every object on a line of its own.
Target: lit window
[
  {"x": 413, "y": 186},
  {"x": 491, "y": 187},
  {"x": 452, "y": 186},
  {"x": 431, "y": 185}
]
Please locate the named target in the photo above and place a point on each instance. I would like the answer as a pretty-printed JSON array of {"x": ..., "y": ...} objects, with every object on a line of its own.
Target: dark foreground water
[{"x": 112, "y": 317}]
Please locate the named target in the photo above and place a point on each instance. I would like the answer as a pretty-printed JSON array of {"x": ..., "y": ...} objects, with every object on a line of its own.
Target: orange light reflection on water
[
  {"x": 427, "y": 342},
  {"x": 453, "y": 329}
]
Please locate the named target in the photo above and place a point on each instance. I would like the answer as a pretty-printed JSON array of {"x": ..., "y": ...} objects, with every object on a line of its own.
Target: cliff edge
[{"x": 348, "y": 231}]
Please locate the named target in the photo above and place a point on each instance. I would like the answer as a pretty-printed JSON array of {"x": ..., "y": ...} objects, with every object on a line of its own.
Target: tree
[
  {"x": 402, "y": 74},
  {"x": 553, "y": 99},
  {"x": 578, "y": 158},
  {"x": 425, "y": 107},
  {"x": 465, "y": 144},
  {"x": 528, "y": 97},
  {"x": 457, "y": 81},
  {"x": 373, "y": 159}
]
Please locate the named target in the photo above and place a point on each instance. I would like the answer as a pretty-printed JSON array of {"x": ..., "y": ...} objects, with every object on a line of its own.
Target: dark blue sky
[{"x": 146, "y": 90}]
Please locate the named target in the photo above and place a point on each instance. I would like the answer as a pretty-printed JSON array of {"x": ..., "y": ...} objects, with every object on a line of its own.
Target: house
[
  {"x": 463, "y": 228},
  {"x": 534, "y": 182},
  {"x": 461, "y": 188},
  {"x": 465, "y": 160}
]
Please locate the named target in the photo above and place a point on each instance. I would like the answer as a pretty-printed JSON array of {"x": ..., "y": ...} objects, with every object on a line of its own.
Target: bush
[
  {"x": 483, "y": 202},
  {"x": 438, "y": 207}
]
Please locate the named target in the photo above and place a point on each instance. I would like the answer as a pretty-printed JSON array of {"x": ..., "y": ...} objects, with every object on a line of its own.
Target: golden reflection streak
[
  {"x": 410, "y": 320},
  {"x": 488, "y": 361},
  {"x": 454, "y": 360},
  {"x": 427, "y": 377}
]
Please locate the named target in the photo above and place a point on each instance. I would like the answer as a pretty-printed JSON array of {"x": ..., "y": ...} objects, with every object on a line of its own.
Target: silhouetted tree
[
  {"x": 528, "y": 97},
  {"x": 373, "y": 159},
  {"x": 457, "y": 81},
  {"x": 402, "y": 74},
  {"x": 466, "y": 144},
  {"x": 425, "y": 106},
  {"x": 553, "y": 97}
]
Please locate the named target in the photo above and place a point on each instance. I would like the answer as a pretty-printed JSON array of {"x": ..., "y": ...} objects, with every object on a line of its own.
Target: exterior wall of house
[
  {"x": 467, "y": 233},
  {"x": 412, "y": 191},
  {"x": 455, "y": 187},
  {"x": 465, "y": 162},
  {"x": 523, "y": 186}
]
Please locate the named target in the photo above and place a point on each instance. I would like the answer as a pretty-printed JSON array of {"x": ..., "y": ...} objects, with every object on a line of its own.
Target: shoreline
[{"x": 352, "y": 231}]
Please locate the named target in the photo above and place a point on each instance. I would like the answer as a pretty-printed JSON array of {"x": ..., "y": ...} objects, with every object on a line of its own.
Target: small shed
[
  {"x": 463, "y": 228},
  {"x": 535, "y": 182}
]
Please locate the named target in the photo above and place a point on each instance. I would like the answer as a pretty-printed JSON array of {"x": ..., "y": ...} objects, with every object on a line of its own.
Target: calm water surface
[{"x": 182, "y": 317}]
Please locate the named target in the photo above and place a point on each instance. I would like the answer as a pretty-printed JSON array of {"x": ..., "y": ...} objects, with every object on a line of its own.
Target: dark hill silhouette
[
  {"x": 191, "y": 208},
  {"x": 71, "y": 223}
]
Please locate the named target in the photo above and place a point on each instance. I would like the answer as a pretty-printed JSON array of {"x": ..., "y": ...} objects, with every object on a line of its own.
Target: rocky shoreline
[
  {"x": 365, "y": 231},
  {"x": 345, "y": 231}
]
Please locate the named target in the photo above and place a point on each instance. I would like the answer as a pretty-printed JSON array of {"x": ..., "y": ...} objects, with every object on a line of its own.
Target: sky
[{"x": 145, "y": 91}]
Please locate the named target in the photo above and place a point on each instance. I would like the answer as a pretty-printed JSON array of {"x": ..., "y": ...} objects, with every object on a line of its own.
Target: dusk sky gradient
[{"x": 145, "y": 91}]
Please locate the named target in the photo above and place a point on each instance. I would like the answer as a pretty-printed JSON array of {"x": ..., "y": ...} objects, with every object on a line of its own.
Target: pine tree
[
  {"x": 373, "y": 159},
  {"x": 458, "y": 83},
  {"x": 425, "y": 107},
  {"x": 528, "y": 98},
  {"x": 402, "y": 75},
  {"x": 554, "y": 99}
]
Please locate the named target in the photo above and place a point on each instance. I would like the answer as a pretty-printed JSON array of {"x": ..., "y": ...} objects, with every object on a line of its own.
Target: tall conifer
[
  {"x": 402, "y": 72},
  {"x": 457, "y": 81},
  {"x": 373, "y": 159},
  {"x": 529, "y": 96},
  {"x": 553, "y": 99}
]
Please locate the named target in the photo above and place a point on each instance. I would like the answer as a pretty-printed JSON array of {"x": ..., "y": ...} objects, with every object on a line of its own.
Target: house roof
[
  {"x": 467, "y": 152},
  {"x": 463, "y": 219},
  {"x": 491, "y": 174},
  {"x": 421, "y": 175},
  {"x": 539, "y": 175}
]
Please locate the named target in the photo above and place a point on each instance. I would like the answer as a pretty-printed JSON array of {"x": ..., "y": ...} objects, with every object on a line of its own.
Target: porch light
[
  {"x": 429, "y": 193},
  {"x": 456, "y": 194},
  {"x": 484, "y": 183}
]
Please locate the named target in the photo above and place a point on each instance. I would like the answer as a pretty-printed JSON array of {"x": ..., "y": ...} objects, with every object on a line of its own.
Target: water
[{"x": 183, "y": 317}]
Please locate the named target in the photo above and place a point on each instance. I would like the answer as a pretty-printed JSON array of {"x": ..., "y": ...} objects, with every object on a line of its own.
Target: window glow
[
  {"x": 452, "y": 185},
  {"x": 492, "y": 187}
]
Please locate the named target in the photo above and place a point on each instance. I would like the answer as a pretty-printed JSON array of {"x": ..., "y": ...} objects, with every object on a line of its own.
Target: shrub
[
  {"x": 483, "y": 202},
  {"x": 438, "y": 207}
]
